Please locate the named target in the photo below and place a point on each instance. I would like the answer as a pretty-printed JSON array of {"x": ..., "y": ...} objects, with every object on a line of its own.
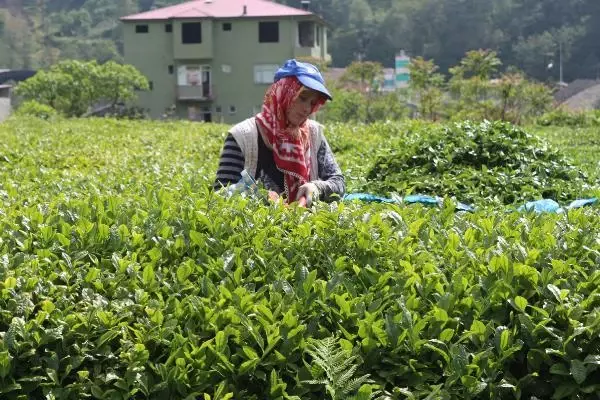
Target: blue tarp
[
  {"x": 551, "y": 206},
  {"x": 537, "y": 206},
  {"x": 410, "y": 199}
]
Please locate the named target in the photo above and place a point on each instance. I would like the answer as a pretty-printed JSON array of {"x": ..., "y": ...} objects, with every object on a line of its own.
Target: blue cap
[{"x": 306, "y": 73}]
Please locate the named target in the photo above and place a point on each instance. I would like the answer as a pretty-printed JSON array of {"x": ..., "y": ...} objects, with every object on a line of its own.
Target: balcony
[
  {"x": 303, "y": 52},
  {"x": 203, "y": 92},
  {"x": 308, "y": 52}
]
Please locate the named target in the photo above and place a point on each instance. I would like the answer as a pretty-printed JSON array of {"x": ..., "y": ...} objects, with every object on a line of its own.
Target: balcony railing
[{"x": 195, "y": 92}]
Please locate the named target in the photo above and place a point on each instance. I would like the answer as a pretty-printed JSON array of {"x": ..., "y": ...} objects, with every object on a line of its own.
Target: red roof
[{"x": 219, "y": 9}]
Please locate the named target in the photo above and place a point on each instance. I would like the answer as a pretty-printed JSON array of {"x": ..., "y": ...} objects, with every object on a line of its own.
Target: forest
[{"x": 530, "y": 35}]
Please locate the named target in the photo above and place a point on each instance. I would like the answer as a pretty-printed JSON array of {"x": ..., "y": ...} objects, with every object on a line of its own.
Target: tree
[
  {"x": 471, "y": 86},
  {"x": 118, "y": 82},
  {"x": 362, "y": 72},
  {"x": 480, "y": 64},
  {"x": 528, "y": 34},
  {"x": 427, "y": 85},
  {"x": 73, "y": 87},
  {"x": 536, "y": 54}
]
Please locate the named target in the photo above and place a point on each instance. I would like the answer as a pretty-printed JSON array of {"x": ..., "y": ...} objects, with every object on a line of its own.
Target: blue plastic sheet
[
  {"x": 540, "y": 206},
  {"x": 410, "y": 199},
  {"x": 368, "y": 198},
  {"x": 551, "y": 206},
  {"x": 427, "y": 200},
  {"x": 582, "y": 203},
  {"x": 537, "y": 206}
]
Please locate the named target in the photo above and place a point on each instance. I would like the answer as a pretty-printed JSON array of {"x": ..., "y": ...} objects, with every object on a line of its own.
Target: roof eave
[
  {"x": 313, "y": 16},
  {"x": 321, "y": 20}
]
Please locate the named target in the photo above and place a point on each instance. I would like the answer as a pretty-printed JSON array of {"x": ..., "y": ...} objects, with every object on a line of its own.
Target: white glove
[{"x": 310, "y": 191}]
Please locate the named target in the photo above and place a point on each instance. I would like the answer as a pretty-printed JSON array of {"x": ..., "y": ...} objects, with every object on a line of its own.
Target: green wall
[
  {"x": 191, "y": 51},
  {"x": 152, "y": 53},
  {"x": 231, "y": 55}
]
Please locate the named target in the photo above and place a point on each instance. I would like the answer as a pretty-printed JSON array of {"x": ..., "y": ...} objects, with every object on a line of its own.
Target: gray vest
[{"x": 246, "y": 134}]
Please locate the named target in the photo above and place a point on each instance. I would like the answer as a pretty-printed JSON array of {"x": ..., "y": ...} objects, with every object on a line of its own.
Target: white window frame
[
  {"x": 202, "y": 71},
  {"x": 264, "y": 73}
]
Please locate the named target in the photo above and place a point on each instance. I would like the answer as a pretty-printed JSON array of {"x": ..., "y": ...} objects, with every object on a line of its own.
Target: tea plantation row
[{"x": 123, "y": 276}]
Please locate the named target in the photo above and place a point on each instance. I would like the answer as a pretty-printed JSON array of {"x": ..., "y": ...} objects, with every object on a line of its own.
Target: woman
[{"x": 280, "y": 146}]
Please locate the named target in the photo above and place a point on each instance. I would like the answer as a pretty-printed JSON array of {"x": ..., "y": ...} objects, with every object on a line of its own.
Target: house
[
  {"x": 5, "y": 106},
  {"x": 5, "y": 91},
  {"x": 212, "y": 60}
]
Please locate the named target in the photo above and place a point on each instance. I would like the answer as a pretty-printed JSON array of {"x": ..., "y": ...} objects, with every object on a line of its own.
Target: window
[
  {"x": 141, "y": 29},
  {"x": 193, "y": 75},
  {"x": 218, "y": 109},
  {"x": 151, "y": 85},
  {"x": 191, "y": 32},
  {"x": 318, "y": 35},
  {"x": 264, "y": 73},
  {"x": 168, "y": 28},
  {"x": 171, "y": 69},
  {"x": 232, "y": 110},
  {"x": 226, "y": 26},
  {"x": 306, "y": 34},
  {"x": 268, "y": 32}
]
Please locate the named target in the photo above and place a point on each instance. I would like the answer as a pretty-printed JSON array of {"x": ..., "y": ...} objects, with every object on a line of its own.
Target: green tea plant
[
  {"x": 489, "y": 162},
  {"x": 123, "y": 276}
]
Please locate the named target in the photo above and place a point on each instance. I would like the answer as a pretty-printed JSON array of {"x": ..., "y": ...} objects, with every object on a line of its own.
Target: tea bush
[
  {"x": 476, "y": 162},
  {"x": 123, "y": 276}
]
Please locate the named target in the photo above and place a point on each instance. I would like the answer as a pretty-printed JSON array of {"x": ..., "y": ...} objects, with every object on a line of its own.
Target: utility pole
[{"x": 560, "y": 61}]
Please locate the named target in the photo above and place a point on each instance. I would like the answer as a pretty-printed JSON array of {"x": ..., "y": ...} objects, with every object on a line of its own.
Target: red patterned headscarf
[{"x": 290, "y": 144}]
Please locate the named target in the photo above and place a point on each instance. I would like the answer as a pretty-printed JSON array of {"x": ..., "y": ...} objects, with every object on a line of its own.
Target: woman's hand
[
  {"x": 273, "y": 196},
  {"x": 309, "y": 191}
]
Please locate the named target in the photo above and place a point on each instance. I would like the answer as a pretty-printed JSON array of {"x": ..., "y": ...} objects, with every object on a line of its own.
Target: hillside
[{"x": 525, "y": 33}]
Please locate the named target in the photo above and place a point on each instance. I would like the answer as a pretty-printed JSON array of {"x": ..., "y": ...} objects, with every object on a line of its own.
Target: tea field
[{"x": 123, "y": 276}]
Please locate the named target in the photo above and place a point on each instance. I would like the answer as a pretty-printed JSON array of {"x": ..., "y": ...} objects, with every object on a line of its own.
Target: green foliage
[
  {"x": 118, "y": 82},
  {"x": 35, "y": 109},
  {"x": 334, "y": 367},
  {"x": 362, "y": 73},
  {"x": 511, "y": 97},
  {"x": 561, "y": 117},
  {"x": 476, "y": 162},
  {"x": 348, "y": 105},
  {"x": 482, "y": 64},
  {"x": 122, "y": 275},
  {"x": 427, "y": 85},
  {"x": 472, "y": 94},
  {"x": 74, "y": 87},
  {"x": 351, "y": 105},
  {"x": 529, "y": 36}
]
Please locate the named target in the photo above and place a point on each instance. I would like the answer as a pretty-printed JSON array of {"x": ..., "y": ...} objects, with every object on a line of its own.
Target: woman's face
[{"x": 301, "y": 107}]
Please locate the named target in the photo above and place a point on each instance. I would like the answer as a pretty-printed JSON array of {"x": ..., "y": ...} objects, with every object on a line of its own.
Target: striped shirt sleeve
[
  {"x": 231, "y": 163},
  {"x": 331, "y": 183}
]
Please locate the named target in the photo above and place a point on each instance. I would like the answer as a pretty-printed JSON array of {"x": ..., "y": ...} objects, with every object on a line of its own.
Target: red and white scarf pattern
[{"x": 290, "y": 144}]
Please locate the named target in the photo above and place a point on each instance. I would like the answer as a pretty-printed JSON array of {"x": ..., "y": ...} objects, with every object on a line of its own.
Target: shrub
[
  {"x": 36, "y": 109},
  {"x": 476, "y": 162},
  {"x": 562, "y": 117}
]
